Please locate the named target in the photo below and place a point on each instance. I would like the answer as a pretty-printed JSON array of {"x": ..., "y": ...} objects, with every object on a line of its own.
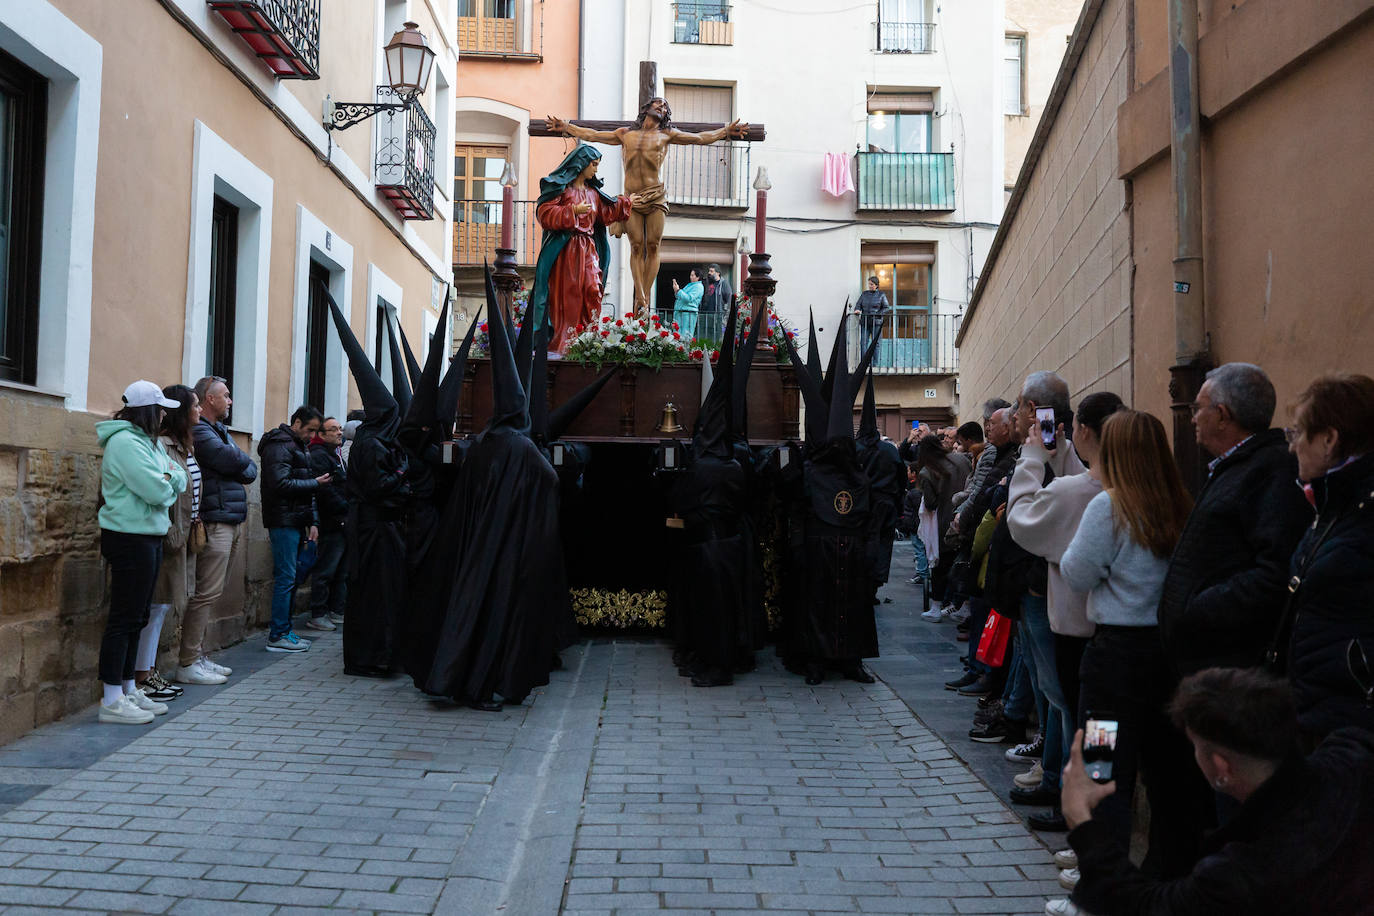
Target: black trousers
[
  {"x": 134, "y": 560},
  {"x": 1068, "y": 658},
  {"x": 329, "y": 578},
  {"x": 1123, "y": 673}
]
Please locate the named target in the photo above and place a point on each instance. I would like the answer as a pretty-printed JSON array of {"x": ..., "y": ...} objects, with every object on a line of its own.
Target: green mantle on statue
[{"x": 551, "y": 188}]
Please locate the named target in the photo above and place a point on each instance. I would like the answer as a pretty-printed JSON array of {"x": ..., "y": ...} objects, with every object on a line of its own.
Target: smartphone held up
[
  {"x": 1044, "y": 420},
  {"x": 1099, "y": 746}
]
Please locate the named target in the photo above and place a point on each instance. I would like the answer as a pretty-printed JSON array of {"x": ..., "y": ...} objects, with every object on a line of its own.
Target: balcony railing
[
  {"x": 477, "y": 232},
  {"x": 285, "y": 34},
  {"x": 405, "y": 158},
  {"x": 511, "y": 37},
  {"x": 708, "y": 176},
  {"x": 904, "y": 37},
  {"x": 906, "y": 181},
  {"x": 911, "y": 342},
  {"x": 700, "y": 23}
]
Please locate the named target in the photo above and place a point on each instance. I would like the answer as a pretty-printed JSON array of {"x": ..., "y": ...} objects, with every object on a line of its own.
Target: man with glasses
[{"x": 225, "y": 470}]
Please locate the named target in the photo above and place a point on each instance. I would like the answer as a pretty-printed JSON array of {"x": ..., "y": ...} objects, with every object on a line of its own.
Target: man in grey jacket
[{"x": 224, "y": 469}]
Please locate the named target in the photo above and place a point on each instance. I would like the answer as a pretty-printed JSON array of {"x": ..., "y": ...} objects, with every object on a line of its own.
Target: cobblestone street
[{"x": 620, "y": 788}]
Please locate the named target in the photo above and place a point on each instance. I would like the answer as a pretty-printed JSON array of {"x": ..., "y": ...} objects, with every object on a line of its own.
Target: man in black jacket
[
  {"x": 289, "y": 485},
  {"x": 224, "y": 470},
  {"x": 328, "y": 580},
  {"x": 1300, "y": 842}
]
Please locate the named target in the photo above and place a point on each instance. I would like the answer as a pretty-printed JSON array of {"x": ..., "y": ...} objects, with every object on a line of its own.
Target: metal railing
[
  {"x": 904, "y": 37},
  {"x": 708, "y": 176},
  {"x": 906, "y": 181},
  {"x": 911, "y": 341},
  {"x": 702, "y": 23},
  {"x": 284, "y": 33},
  {"x": 477, "y": 232},
  {"x": 502, "y": 36},
  {"x": 405, "y": 157}
]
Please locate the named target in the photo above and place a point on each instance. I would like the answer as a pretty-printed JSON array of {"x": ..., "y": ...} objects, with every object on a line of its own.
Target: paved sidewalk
[{"x": 620, "y": 788}]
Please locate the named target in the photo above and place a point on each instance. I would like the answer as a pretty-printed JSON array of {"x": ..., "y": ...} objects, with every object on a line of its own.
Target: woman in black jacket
[{"x": 1331, "y": 609}]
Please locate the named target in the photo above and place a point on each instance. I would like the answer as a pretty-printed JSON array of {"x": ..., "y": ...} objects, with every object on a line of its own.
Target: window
[
  {"x": 488, "y": 25},
  {"x": 477, "y": 183},
  {"x": 23, "y": 121},
  {"x": 898, "y": 132},
  {"x": 1014, "y": 75},
  {"x": 224, "y": 268},
  {"x": 702, "y": 22},
  {"x": 316, "y": 337},
  {"x": 905, "y": 27},
  {"x": 907, "y": 340}
]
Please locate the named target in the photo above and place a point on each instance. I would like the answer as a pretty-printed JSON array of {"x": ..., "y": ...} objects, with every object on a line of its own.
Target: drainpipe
[{"x": 1191, "y": 356}]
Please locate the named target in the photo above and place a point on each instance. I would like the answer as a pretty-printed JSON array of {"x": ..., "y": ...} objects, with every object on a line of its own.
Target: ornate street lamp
[{"x": 409, "y": 64}]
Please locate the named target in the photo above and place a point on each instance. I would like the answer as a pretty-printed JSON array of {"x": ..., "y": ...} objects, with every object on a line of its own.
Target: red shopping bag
[{"x": 992, "y": 645}]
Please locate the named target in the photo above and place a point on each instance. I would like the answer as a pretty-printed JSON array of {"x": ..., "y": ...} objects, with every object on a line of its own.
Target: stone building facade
[{"x": 160, "y": 129}]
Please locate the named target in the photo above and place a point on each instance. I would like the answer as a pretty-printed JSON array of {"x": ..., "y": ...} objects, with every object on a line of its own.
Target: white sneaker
[
  {"x": 140, "y": 699},
  {"x": 214, "y": 666},
  {"x": 1031, "y": 778},
  {"x": 1063, "y": 907},
  {"x": 322, "y": 623},
  {"x": 1068, "y": 879},
  {"x": 123, "y": 712},
  {"x": 198, "y": 673},
  {"x": 1066, "y": 858},
  {"x": 961, "y": 615},
  {"x": 935, "y": 614}
]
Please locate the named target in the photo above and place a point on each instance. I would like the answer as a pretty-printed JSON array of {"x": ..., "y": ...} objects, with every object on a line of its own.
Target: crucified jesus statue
[{"x": 645, "y": 144}]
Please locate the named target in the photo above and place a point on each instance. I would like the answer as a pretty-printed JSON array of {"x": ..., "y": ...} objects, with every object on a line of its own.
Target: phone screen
[
  {"x": 1044, "y": 418},
  {"x": 915, "y": 424},
  {"x": 1099, "y": 747}
]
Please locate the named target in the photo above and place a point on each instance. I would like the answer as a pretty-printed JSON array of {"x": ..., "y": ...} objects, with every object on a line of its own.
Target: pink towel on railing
[{"x": 835, "y": 179}]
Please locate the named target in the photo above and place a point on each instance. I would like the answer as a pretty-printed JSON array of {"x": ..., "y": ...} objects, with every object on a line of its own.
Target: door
[{"x": 477, "y": 201}]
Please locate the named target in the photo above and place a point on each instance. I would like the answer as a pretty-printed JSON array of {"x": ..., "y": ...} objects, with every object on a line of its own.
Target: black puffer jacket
[
  {"x": 224, "y": 469},
  {"x": 331, "y": 500},
  {"x": 1333, "y": 608},
  {"x": 288, "y": 483},
  {"x": 1227, "y": 581}
]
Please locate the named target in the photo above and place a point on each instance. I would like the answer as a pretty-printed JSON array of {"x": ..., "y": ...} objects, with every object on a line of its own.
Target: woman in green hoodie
[{"x": 138, "y": 482}]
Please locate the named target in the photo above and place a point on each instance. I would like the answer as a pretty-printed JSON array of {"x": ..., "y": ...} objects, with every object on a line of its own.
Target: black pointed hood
[
  {"x": 539, "y": 388},
  {"x": 868, "y": 436},
  {"x": 425, "y": 399},
  {"x": 743, "y": 362},
  {"x": 816, "y": 407},
  {"x": 400, "y": 382},
  {"x": 383, "y": 415},
  {"x": 510, "y": 407},
  {"x": 412, "y": 364},
  {"x": 841, "y": 419},
  {"x": 715, "y": 422},
  {"x": 863, "y": 371},
  {"x": 813, "y": 350},
  {"x": 828, "y": 383},
  {"x": 524, "y": 355},
  {"x": 451, "y": 388}
]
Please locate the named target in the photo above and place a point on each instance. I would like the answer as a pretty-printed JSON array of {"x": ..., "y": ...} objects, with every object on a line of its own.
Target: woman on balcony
[
  {"x": 570, "y": 276},
  {"x": 686, "y": 303}
]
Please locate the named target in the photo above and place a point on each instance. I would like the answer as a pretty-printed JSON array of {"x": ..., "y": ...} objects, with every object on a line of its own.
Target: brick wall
[
  {"x": 53, "y": 589},
  {"x": 1058, "y": 296}
]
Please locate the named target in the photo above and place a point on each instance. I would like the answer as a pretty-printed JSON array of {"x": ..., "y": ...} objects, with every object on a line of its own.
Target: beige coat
[{"x": 176, "y": 579}]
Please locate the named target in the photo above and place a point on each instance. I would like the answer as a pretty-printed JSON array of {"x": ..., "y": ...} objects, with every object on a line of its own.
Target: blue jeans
[
  {"x": 286, "y": 544},
  {"x": 1059, "y": 719},
  {"x": 922, "y": 565},
  {"x": 1020, "y": 695}
]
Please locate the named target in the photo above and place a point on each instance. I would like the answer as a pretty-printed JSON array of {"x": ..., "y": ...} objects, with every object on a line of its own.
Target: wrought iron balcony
[
  {"x": 701, "y": 23},
  {"x": 911, "y": 341},
  {"x": 904, "y": 37},
  {"x": 285, "y": 34},
  {"x": 512, "y": 36},
  {"x": 477, "y": 232},
  {"x": 708, "y": 176},
  {"x": 906, "y": 181},
  {"x": 405, "y": 157}
]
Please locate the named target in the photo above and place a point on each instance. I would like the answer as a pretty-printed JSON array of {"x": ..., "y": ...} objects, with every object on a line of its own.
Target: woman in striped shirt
[{"x": 177, "y": 576}]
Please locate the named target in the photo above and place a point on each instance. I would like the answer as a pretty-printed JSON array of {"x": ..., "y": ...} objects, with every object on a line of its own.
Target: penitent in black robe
[
  {"x": 507, "y": 601},
  {"x": 710, "y": 497},
  {"x": 887, "y": 485},
  {"x": 379, "y": 496}
]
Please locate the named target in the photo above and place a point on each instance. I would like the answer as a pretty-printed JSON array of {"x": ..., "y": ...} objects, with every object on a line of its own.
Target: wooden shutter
[{"x": 901, "y": 102}]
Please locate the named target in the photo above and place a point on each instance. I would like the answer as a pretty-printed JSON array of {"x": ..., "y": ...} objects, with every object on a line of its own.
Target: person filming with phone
[{"x": 1301, "y": 841}]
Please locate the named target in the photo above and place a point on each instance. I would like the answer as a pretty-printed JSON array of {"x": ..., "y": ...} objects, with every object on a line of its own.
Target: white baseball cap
[{"x": 143, "y": 393}]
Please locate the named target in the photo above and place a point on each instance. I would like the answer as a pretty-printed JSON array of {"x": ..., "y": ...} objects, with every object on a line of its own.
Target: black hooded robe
[{"x": 379, "y": 496}]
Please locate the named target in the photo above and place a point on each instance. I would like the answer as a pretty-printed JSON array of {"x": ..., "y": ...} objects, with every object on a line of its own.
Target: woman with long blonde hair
[{"x": 1119, "y": 556}]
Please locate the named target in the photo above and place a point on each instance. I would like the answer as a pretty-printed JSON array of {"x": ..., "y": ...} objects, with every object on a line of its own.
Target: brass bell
[{"x": 668, "y": 422}]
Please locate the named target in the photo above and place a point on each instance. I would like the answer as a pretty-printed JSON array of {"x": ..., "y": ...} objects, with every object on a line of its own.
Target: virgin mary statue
[{"x": 570, "y": 275}]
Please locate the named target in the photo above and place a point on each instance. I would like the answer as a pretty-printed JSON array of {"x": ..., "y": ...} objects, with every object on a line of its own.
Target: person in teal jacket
[
  {"x": 686, "y": 302},
  {"x": 138, "y": 483}
]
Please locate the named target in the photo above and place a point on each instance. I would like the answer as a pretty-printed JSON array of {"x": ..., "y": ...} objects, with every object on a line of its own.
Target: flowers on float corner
[
  {"x": 627, "y": 339},
  {"x": 481, "y": 341}
]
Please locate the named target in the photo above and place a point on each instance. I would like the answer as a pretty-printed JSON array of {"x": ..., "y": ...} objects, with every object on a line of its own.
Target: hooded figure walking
[{"x": 570, "y": 275}]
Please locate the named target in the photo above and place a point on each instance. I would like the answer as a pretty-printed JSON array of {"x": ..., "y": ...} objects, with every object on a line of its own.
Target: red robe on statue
[{"x": 575, "y": 283}]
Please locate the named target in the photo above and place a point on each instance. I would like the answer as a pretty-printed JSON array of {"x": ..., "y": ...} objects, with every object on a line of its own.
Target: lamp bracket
[{"x": 343, "y": 115}]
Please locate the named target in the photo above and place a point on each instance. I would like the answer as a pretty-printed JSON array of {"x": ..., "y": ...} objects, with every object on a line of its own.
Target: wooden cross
[{"x": 648, "y": 89}]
